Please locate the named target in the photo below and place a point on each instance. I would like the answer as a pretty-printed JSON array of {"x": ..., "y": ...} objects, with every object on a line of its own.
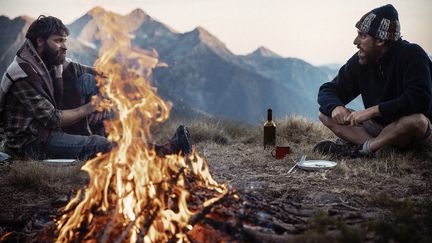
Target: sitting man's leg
[
  {"x": 352, "y": 134},
  {"x": 66, "y": 146},
  {"x": 88, "y": 88},
  {"x": 370, "y": 138},
  {"x": 403, "y": 132}
]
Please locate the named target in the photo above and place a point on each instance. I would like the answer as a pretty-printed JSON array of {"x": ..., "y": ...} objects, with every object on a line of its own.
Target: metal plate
[
  {"x": 316, "y": 164},
  {"x": 60, "y": 160},
  {"x": 4, "y": 156}
]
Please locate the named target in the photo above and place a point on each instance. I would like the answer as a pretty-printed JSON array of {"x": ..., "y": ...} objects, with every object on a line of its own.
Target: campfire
[{"x": 133, "y": 195}]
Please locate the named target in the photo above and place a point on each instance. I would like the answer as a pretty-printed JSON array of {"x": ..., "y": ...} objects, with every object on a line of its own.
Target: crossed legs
[{"x": 399, "y": 133}]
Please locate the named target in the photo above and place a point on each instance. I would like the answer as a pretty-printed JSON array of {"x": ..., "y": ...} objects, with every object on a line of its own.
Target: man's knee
[
  {"x": 99, "y": 144},
  {"x": 87, "y": 84},
  {"x": 415, "y": 124}
]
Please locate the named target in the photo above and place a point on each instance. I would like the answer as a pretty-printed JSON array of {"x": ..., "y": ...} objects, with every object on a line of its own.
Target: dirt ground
[
  {"x": 380, "y": 199},
  {"x": 362, "y": 194}
]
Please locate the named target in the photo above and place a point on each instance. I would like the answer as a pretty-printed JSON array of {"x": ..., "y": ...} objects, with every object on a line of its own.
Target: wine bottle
[{"x": 269, "y": 131}]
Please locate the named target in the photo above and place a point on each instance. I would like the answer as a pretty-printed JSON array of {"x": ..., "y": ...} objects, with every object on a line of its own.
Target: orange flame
[{"x": 133, "y": 194}]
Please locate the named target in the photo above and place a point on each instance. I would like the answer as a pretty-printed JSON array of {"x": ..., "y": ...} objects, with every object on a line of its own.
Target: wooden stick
[
  {"x": 276, "y": 226},
  {"x": 259, "y": 236},
  {"x": 126, "y": 231},
  {"x": 108, "y": 228},
  {"x": 226, "y": 227},
  {"x": 199, "y": 216},
  {"x": 150, "y": 217}
]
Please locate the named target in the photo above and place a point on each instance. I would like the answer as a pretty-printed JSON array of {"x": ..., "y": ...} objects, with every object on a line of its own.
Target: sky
[{"x": 317, "y": 31}]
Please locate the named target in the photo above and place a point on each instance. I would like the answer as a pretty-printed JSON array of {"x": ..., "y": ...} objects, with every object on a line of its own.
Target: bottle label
[{"x": 269, "y": 136}]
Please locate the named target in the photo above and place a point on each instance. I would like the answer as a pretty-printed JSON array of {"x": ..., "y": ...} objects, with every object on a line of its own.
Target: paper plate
[
  {"x": 316, "y": 164},
  {"x": 60, "y": 160},
  {"x": 4, "y": 156}
]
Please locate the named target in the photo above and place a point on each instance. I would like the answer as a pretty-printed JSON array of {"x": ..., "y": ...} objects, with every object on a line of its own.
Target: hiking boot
[
  {"x": 338, "y": 150},
  {"x": 181, "y": 141},
  {"x": 340, "y": 141}
]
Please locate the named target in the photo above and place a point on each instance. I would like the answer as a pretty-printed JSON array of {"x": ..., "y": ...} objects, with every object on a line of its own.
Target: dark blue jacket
[{"x": 399, "y": 83}]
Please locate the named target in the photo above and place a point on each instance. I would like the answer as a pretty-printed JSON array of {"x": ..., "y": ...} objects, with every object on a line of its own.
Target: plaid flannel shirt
[
  {"x": 28, "y": 115},
  {"x": 31, "y": 97}
]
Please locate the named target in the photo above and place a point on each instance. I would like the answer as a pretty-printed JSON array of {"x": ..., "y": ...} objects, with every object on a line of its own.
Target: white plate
[
  {"x": 59, "y": 160},
  {"x": 4, "y": 156},
  {"x": 316, "y": 164}
]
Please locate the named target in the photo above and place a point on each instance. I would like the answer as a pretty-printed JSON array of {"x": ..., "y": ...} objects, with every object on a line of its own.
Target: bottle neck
[{"x": 269, "y": 115}]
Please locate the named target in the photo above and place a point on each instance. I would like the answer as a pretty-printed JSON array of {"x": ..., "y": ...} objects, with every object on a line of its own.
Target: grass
[
  {"x": 394, "y": 185},
  {"x": 290, "y": 130},
  {"x": 321, "y": 224},
  {"x": 406, "y": 218},
  {"x": 301, "y": 134},
  {"x": 37, "y": 175},
  {"x": 220, "y": 131}
]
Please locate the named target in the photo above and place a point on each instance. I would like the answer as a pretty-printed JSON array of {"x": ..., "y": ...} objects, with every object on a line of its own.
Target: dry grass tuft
[
  {"x": 300, "y": 130},
  {"x": 40, "y": 175},
  {"x": 220, "y": 131},
  {"x": 290, "y": 130},
  {"x": 301, "y": 134}
]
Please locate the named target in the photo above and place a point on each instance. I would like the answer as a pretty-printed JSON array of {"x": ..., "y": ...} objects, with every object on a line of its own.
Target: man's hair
[{"x": 44, "y": 27}]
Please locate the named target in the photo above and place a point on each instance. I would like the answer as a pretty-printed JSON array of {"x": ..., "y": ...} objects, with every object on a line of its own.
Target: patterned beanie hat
[{"x": 382, "y": 23}]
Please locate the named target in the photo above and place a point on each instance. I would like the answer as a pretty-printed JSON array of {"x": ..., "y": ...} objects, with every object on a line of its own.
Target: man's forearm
[
  {"x": 356, "y": 118},
  {"x": 72, "y": 116},
  {"x": 374, "y": 111}
]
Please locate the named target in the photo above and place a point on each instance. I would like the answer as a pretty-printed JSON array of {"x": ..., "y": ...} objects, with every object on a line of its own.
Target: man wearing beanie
[{"x": 393, "y": 77}]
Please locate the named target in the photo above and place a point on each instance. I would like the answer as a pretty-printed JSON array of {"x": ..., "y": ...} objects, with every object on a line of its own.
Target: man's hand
[
  {"x": 71, "y": 116},
  {"x": 99, "y": 105},
  {"x": 96, "y": 117},
  {"x": 340, "y": 114},
  {"x": 96, "y": 103},
  {"x": 356, "y": 118}
]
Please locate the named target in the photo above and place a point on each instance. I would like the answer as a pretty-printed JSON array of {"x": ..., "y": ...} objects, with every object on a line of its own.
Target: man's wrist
[
  {"x": 339, "y": 107},
  {"x": 88, "y": 109},
  {"x": 374, "y": 111}
]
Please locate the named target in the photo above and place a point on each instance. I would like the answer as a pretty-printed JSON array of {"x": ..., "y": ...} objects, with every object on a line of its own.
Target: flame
[{"x": 133, "y": 195}]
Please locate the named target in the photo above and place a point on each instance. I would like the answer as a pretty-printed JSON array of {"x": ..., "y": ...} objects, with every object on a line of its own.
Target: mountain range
[{"x": 202, "y": 76}]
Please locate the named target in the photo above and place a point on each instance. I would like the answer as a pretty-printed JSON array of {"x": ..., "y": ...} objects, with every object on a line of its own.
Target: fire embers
[
  {"x": 133, "y": 195},
  {"x": 149, "y": 211}
]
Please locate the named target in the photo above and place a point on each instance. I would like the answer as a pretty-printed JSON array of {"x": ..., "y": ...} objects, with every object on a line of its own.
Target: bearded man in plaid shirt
[{"x": 45, "y": 102}]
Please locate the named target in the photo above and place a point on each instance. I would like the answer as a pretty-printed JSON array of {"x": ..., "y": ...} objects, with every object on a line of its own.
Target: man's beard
[
  {"x": 370, "y": 56},
  {"x": 52, "y": 57}
]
